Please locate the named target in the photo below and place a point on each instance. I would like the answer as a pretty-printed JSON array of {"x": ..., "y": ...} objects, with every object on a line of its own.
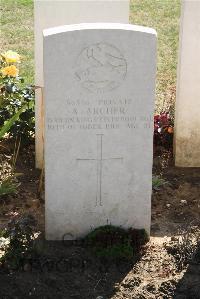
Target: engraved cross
[{"x": 99, "y": 166}]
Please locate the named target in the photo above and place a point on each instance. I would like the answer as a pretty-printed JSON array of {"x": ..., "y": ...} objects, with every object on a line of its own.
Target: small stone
[
  {"x": 168, "y": 205},
  {"x": 35, "y": 203},
  {"x": 183, "y": 202},
  {"x": 173, "y": 239},
  {"x": 151, "y": 288}
]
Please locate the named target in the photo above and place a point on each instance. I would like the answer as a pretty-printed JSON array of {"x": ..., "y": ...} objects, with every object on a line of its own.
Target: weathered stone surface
[
  {"x": 51, "y": 13},
  {"x": 187, "y": 117},
  {"x": 99, "y": 102}
]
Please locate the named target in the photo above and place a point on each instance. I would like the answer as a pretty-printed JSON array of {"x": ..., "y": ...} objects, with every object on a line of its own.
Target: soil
[{"x": 168, "y": 266}]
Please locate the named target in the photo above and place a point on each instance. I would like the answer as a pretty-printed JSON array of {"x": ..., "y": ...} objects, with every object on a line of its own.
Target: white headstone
[
  {"x": 187, "y": 117},
  {"x": 51, "y": 13},
  {"x": 99, "y": 102}
]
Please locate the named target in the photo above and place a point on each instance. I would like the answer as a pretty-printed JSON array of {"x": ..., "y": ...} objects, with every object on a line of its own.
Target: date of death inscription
[{"x": 99, "y": 115}]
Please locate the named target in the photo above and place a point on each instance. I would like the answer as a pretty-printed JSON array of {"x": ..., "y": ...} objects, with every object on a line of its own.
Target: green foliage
[
  {"x": 16, "y": 101},
  {"x": 24, "y": 125},
  {"x": 25, "y": 2},
  {"x": 158, "y": 182},
  {"x": 9, "y": 185},
  {"x": 20, "y": 238},
  {"x": 116, "y": 243},
  {"x": 8, "y": 181}
]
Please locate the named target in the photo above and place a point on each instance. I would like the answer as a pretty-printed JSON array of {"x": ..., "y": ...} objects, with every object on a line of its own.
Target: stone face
[
  {"x": 187, "y": 117},
  {"x": 67, "y": 12},
  {"x": 99, "y": 102}
]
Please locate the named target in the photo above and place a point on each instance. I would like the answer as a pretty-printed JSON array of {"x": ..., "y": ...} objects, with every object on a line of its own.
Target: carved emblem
[{"x": 100, "y": 68}]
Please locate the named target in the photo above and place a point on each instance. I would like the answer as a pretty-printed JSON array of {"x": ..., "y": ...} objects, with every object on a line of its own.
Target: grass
[
  {"x": 17, "y": 33},
  {"x": 158, "y": 182},
  {"x": 163, "y": 15}
]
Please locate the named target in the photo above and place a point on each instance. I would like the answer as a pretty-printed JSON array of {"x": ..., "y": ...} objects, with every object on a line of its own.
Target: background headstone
[
  {"x": 187, "y": 116},
  {"x": 99, "y": 103},
  {"x": 51, "y": 13}
]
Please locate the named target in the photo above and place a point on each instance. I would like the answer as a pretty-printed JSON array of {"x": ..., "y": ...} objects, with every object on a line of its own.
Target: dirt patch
[
  {"x": 63, "y": 270},
  {"x": 27, "y": 200}
]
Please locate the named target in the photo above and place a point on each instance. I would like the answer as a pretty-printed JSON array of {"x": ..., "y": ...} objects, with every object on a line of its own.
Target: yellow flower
[
  {"x": 10, "y": 70},
  {"x": 11, "y": 56}
]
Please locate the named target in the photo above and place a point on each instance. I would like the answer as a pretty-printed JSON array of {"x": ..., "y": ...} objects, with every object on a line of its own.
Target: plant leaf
[{"x": 8, "y": 124}]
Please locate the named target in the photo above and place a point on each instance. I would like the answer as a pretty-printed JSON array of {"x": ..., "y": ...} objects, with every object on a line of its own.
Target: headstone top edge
[{"x": 86, "y": 26}]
